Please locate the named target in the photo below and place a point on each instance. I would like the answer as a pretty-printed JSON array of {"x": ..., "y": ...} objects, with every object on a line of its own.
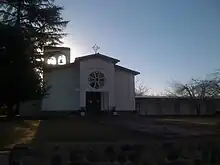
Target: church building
[
  {"x": 97, "y": 83},
  {"x": 93, "y": 82}
]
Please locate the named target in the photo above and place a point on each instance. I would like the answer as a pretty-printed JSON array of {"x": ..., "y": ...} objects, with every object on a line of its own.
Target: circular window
[{"x": 96, "y": 79}]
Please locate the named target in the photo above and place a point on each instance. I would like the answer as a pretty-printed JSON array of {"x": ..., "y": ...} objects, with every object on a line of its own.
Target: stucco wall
[
  {"x": 64, "y": 93},
  {"x": 124, "y": 90},
  {"x": 106, "y": 67}
]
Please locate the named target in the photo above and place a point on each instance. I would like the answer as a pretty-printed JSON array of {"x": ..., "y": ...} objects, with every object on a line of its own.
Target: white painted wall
[
  {"x": 95, "y": 64},
  {"x": 63, "y": 94},
  {"x": 104, "y": 101},
  {"x": 148, "y": 106},
  {"x": 124, "y": 91}
]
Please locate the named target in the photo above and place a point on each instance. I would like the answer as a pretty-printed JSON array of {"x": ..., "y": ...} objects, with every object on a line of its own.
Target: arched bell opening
[
  {"x": 52, "y": 61},
  {"x": 61, "y": 60}
]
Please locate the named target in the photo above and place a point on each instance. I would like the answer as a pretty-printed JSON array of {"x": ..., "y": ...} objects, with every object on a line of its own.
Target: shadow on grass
[
  {"x": 78, "y": 129},
  {"x": 82, "y": 130},
  {"x": 17, "y": 132}
]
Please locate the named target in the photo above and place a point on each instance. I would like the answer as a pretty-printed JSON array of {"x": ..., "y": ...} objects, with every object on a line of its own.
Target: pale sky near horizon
[{"x": 164, "y": 40}]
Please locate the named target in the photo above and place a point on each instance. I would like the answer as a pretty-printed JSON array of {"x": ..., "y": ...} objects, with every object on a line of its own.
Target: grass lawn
[
  {"x": 77, "y": 130},
  {"x": 212, "y": 121},
  {"x": 17, "y": 132},
  {"x": 81, "y": 129},
  {"x": 208, "y": 123}
]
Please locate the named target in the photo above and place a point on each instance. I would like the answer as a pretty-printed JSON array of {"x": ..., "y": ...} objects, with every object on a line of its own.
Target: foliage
[
  {"x": 26, "y": 27},
  {"x": 40, "y": 20},
  {"x": 20, "y": 81}
]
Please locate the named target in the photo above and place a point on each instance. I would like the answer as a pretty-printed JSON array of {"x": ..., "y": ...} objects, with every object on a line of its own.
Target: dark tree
[
  {"x": 40, "y": 20},
  {"x": 26, "y": 27}
]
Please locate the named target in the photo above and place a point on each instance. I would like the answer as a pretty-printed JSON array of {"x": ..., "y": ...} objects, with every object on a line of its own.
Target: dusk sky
[{"x": 164, "y": 40}]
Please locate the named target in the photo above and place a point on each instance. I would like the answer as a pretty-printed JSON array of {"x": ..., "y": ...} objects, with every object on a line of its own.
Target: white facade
[
  {"x": 71, "y": 85},
  {"x": 63, "y": 94},
  {"x": 90, "y": 65}
]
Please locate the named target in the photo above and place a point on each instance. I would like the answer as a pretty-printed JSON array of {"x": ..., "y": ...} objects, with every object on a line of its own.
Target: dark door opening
[{"x": 93, "y": 102}]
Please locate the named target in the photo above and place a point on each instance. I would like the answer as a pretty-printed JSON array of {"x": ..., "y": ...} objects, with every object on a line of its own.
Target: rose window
[{"x": 96, "y": 79}]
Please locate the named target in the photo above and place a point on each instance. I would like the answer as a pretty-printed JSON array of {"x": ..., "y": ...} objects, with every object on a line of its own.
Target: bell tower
[{"x": 56, "y": 55}]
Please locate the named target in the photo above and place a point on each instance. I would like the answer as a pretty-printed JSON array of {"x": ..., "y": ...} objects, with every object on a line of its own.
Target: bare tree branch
[
  {"x": 141, "y": 89},
  {"x": 196, "y": 88}
]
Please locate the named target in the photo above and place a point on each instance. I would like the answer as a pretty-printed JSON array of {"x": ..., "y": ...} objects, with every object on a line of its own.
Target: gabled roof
[
  {"x": 127, "y": 70},
  {"x": 104, "y": 57}
]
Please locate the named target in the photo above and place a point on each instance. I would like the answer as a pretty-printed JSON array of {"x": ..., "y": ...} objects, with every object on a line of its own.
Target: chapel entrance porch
[
  {"x": 96, "y": 102},
  {"x": 93, "y": 102}
]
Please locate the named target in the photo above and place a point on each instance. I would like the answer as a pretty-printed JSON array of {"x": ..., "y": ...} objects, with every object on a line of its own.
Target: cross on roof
[{"x": 95, "y": 48}]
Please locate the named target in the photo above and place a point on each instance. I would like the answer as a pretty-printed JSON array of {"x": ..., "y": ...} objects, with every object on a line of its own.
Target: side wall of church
[
  {"x": 64, "y": 92},
  {"x": 124, "y": 91},
  {"x": 107, "y": 68}
]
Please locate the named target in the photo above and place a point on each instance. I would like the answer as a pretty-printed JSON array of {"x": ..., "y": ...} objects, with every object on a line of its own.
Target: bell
[{"x": 61, "y": 61}]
